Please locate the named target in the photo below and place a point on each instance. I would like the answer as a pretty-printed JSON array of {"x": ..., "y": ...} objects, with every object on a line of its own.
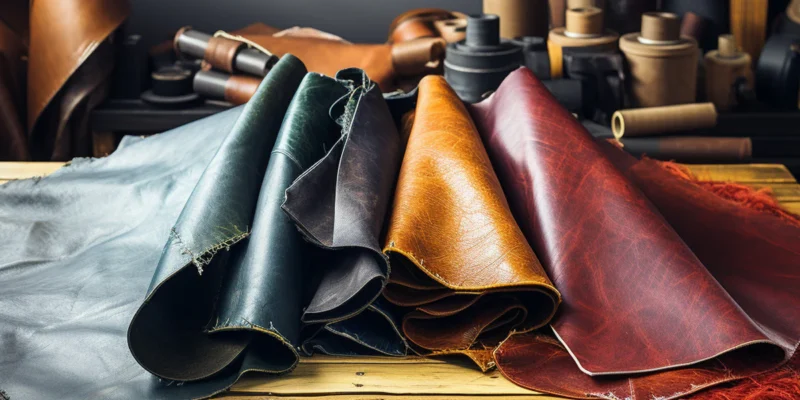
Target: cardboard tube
[
  {"x": 662, "y": 120},
  {"x": 519, "y": 17},
  {"x": 723, "y": 68}
]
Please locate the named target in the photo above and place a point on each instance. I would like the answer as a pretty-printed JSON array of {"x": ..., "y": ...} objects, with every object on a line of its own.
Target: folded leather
[
  {"x": 459, "y": 262},
  {"x": 637, "y": 296},
  {"x": 67, "y": 73},
  {"x": 340, "y": 204}
]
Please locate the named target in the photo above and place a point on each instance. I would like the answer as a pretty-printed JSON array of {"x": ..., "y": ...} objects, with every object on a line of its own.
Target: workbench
[{"x": 361, "y": 378}]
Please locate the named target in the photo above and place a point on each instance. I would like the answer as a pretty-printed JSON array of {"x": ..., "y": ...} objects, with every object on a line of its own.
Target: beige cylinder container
[
  {"x": 519, "y": 17},
  {"x": 663, "y": 65},
  {"x": 724, "y": 67},
  {"x": 584, "y": 28}
]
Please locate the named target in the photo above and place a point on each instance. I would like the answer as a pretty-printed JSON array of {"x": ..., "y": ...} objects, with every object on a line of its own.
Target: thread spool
[
  {"x": 584, "y": 28},
  {"x": 519, "y": 17},
  {"x": 663, "y": 64},
  {"x": 723, "y": 68},
  {"x": 662, "y": 120}
]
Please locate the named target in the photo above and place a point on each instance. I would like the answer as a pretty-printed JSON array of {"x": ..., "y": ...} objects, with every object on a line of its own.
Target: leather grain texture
[
  {"x": 340, "y": 204},
  {"x": 459, "y": 262},
  {"x": 225, "y": 296},
  {"x": 68, "y": 65},
  {"x": 637, "y": 297}
]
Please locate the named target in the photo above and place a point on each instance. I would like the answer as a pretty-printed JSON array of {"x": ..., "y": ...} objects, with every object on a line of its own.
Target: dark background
[{"x": 364, "y": 21}]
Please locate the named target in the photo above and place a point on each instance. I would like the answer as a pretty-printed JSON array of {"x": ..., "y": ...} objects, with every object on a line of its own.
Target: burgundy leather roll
[{"x": 654, "y": 281}]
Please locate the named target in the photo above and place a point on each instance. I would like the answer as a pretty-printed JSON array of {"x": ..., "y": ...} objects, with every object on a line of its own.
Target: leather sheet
[
  {"x": 460, "y": 265},
  {"x": 232, "y": 287},
  {"x": 62, "y": 46},
  {"x": 666, "y": 289}
]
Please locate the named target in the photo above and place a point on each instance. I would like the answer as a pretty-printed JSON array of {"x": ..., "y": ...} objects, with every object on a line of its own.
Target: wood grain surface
[{"x": 373, "y": 378}]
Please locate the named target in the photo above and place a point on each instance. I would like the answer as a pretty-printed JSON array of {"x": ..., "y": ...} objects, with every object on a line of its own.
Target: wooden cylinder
[
  {"x": 584, "y": 22},
  {"x": 663, "y": 65},
  {"x": 660, "y": 28},
  {"x": 749, "y": 20},
  {"x": 663, "y": 120},
  {"x": 691, "y": 148},
  {"x": 724, "y": 67},
  {"x": 519, "y": 17}
]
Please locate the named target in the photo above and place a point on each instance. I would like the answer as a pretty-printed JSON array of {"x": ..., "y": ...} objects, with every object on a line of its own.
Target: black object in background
[
  {"x": 365, "y": 21},
  {"x": 778, "y": 72},
  {"x": 716, "y": 12}
]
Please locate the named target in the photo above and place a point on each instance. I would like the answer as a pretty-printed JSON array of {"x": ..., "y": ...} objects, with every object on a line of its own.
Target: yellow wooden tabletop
[{"x": 362, "y": 378}]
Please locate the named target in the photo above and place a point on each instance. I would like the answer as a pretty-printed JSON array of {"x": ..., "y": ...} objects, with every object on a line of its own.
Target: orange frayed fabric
[{"x": 757, "y": 199}]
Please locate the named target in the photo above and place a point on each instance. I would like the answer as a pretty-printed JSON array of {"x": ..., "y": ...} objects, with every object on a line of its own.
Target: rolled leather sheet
[
  {"x": 427, "y": 23},
  {"x": 237, "y": 281},
  {"x": 650, "y": 307},
  {"x": 339, "y": 203},
  {"x": 460, "y": 264},
  {"x": 98, "y": 227}
]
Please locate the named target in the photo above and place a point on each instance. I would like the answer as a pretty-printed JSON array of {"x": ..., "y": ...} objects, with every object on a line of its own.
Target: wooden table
[{"x": 362, "y": 378}]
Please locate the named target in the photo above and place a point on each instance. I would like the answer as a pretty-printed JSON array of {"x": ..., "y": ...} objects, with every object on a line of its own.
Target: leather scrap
[
  {"x": 652, "y": 306},
  {"x": 459, "y": 262}
]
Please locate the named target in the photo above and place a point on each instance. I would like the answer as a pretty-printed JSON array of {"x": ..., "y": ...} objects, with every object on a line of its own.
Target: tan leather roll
[
  {"x": 418, "y": 56},
  {"x": 749, "y": 20},
  {"x": 519, "y": 17},
  {"x": 427, "y": 22},
  {"x": 663, "y": 120},
  {"x": 723, "y": 68},
  {"x": 452, "y": 30},
  {"x": 663, "y": 65},
  {"x": 240, "y": 88},
  {"x": 412, "y": 29},
  {"x": 221, "y": 53}
]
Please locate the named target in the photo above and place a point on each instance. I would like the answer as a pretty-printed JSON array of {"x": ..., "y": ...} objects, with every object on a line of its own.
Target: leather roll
[
  {"x": 67, "y": 44},
  {"x": 239, "y": 88},
  {"x": 221, "y": 53},
  {"x": 427, "y": 23},
  {"x": 459, "y": 262},
  {"x": 415, "y": 57},
  {"x": 519, "y": 18},
  {"x": 170, "y": 335},
  {"x": 743, "y": 235},
  {"x": 634, "y": 291},
  {"x": 339, "y": 203}
]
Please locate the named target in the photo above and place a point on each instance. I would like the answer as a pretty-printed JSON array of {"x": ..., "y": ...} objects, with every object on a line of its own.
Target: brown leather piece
[
  {"x": 221, "y": 52},
  {"x": 240, "y": 88},
  {"x": 329, "y": 56},
  {"x": 63, "y": 36},
  {"x": 459, "y": 260},
  {"x": 427, "y": 23},
  {"x": 418, "y": 56},
  {"x": 657, "y": 275}
]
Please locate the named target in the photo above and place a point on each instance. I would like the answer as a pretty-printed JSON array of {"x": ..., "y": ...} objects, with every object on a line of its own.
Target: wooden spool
[{"x": 724, "y": 67}]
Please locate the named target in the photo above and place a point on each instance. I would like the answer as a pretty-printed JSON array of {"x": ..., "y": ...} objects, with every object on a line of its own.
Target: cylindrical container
[
  {"x": 476, "y": 66},
  {"x": 724, "y": 67},
  {"x": 584, "y": 28},
  {"x": 235, "y": 89},
  {"x": 519, "y": 17},
  {"x": 691, "y": 149},
  {"x": 663, "y": 65},
  {"x": 663, "y": 120},
  {"x": 222, "y": 53}
]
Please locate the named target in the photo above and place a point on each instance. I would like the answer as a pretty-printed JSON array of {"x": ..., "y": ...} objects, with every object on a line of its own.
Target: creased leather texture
[
  {"x": 637, "y": 295},
  {"x": 80, "y": 247},
  {"x": 340, "y": 205},
  {"x": 68, "y": 65},
  {"x": 459, "y": 262}
]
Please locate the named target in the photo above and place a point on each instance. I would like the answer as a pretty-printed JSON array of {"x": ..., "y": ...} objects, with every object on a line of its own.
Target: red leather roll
[{"x": 662, "y": 284}]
